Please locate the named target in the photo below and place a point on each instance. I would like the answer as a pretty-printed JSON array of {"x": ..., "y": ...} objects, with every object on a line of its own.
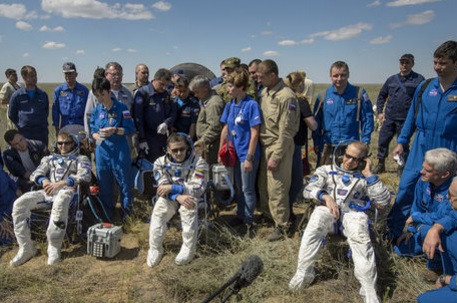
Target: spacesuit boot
[
  {"x": 369, "y": 296},
  {"x": 26, "y": 248},
  {"x": 157, "y": 230},
  {"x": 55, "y": 234},
  {"x": 189, "y": 222},
  {"x": 302, "y": 278}
]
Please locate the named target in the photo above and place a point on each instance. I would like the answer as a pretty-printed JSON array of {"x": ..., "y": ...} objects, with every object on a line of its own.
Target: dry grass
[{"x": 126, "y": 278}]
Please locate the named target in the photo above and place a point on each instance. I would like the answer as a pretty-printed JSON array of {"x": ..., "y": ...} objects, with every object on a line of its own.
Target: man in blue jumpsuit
[
  {"x": 443, "y": 236},
  {"x": 154, "y": 113},
  {"x": 69, "y": 100},
  {"x": 187, "y": 107},
  {"x": 430, "y": 200},
  {"x": 110, "y": 124},
  {"x": 435, "y": 123},
  {"x": 344, "y": 113},
  {"x": 29, "y": 108},
  {"x": 399, "y": 91}
]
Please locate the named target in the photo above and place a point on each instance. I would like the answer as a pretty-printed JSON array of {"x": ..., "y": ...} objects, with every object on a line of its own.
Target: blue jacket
[
  {"x": 150, "y": 109},
  {"x": 30, "y": 115},
  {"x": 337, "y": 117},
  {"x": 399, "y": 90},
  {"x": 187, "y": 113},
  {"x": 69, "y": 105},
  {"x": 430, "y": 203}
]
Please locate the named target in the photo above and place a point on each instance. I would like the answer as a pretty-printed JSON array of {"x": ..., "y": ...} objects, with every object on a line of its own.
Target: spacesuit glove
[
  {"x": 162, "y": 129},
  {"x": 144, "y": 146}
]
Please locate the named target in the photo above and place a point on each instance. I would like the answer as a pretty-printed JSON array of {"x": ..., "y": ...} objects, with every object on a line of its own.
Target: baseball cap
[
  {"x": 68, "y": 67},
  {"x": 179, "y": 72},
  {"x": 407, "y": 57}
]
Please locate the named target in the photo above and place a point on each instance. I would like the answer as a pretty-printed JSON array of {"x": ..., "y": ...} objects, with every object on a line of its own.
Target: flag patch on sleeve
[{"x": 126, "y": 114}]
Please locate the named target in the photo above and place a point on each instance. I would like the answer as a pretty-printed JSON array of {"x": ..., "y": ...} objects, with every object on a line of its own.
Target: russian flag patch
[
  {"x": 292, "y": 107},
  {"x": 126, "y": 114}
]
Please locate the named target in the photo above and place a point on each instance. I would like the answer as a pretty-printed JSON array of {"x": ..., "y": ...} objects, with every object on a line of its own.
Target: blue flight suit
[
  {"x": 446, "y": 294},
  {"x": 69, "y": 105},
  {"x": 187, "y": 114},
  {"x": 399, "y": 90},
  {"x": 430, "y": 204},
  {"x": 337, "y": 117},
  {"x": 150, "y": 109},
  {"x": 30, "y": 115},
  {"x": 7, "y": 197},
  {"x": 435, "y": 126},
  {"x": 112, "y": 155}
]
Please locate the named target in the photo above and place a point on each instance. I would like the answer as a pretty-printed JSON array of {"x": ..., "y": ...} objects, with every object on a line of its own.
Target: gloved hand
[
  {"x": 144, "y": 146},
  {"x": 162, "y": 129}
]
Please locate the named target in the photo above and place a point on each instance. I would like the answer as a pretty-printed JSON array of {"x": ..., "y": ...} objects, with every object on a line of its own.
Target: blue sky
[{"x": 370, "y": 35}]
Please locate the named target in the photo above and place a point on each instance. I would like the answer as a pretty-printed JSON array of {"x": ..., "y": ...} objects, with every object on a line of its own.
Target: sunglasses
[
  {"x": 176, "y": 150},
  {"x": 64, "y": 143},
  {"x": 353, "y": 158}
]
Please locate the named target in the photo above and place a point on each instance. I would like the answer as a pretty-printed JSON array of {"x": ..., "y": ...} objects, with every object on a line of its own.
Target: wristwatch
[
  {"x": 443, "y": 280},
  {"x": 250, "y": 157}
]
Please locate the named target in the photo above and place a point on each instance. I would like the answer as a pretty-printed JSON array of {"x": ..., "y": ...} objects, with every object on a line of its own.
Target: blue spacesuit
[
  {"x": 343, "y": 118},
  {"x": 430, "y": 204},
  {"x": 435, "y": 126},
  {"x": 69, "y": 105},
  {"x": 112, "y": 155}
]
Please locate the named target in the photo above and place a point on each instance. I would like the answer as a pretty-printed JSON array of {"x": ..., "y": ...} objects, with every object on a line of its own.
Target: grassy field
[{"x": 126, "y": 278}]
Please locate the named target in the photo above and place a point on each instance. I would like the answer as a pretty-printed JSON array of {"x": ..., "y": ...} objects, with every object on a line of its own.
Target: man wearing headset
[
  {"x": 343, "y": 191},
  {"x": 58, "y": 174},
  {"x": 181, "y": 176}
]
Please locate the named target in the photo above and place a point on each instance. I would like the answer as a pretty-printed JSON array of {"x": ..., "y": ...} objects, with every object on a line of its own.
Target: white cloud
[
  {"x": 271, "y": 53},
  {"x": 287, "y": 42},
  {"x": 25, "y": 55},
  {"x": 307, "y": 41},
  {"x": 45, "y": 28},
  {"x": 12, "y": 11},
  {"x": 94, "y": 9},
  {"x": 162, "y": 6},
  {"x": 132, "y": 50},
  {"x": 409, "y": 2},
  {"x": 246, "y": 49},
  {"x": 24, "y": 26},
  {"x": 374, "y": 3},
  {"x": 344, "y": 33},
  {"x": 381, "y": 40},
  {"x": 80, "y": 52},
  {"x": 417, "y": 19},
  {"x": 116, "y": 50},
  {"x": 53, "y": 45}
]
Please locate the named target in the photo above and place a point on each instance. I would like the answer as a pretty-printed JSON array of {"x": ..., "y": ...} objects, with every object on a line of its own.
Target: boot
[
  {"x": 381, "y": 167},
  {"x": 55, "y": 235},
  {"x": 154, "y": 257},
  {"x": 301, "y": 279},
  {"x": 54, "y": 253},
  {"x": 185, "y": 256},
  {"x": 24, "y": 254}
]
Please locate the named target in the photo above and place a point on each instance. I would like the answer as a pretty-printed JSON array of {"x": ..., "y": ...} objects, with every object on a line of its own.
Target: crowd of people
[{"x": 181, "y": 124}]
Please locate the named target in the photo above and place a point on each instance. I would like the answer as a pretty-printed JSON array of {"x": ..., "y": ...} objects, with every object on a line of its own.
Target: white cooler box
[
  {"x": 104, "y": 240},
  {"x": 219, "y": 180}
]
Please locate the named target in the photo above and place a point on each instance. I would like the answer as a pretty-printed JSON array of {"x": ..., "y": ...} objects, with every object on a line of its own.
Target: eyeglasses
[
  {"x": 64, "y": 143},
  {"x": 176, "y": 150},
  {"x": 352, "y": 157}
]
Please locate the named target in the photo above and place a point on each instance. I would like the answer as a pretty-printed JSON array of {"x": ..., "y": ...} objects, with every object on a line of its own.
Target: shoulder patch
[
  {"x": 314, "y": 178},
  {"x": 126, "y": 114}
]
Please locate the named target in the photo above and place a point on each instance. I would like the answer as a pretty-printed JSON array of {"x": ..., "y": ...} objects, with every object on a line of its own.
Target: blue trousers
[
  {"x": 245, "y": 183},
  {"x": 296, "y": 185},
  {"x": 387, "y": 132},
  {"x": 444, "y": 294}
]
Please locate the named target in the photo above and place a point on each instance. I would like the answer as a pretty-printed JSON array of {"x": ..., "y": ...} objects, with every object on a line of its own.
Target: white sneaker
[
  {"x": 154, "y": 257},
  {"x": 184, "y": 257},
  {"x": 53, "y": 254},
  {"x": 24, "y": 254},
  {"x": 300, "y": 281}
]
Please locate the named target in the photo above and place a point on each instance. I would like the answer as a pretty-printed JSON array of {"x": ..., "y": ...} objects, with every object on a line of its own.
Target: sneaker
[
  {"x": 380, "y": 168},
  {"x": 154, "y": 257},
  {"x": 23, "y": 255},
  {"x": 277, "y": 234}
]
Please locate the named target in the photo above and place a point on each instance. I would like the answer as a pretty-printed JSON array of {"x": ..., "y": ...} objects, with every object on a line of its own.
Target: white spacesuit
[
  {"x": 351, "y": 191},
  {"x": 71, "y": 168},
  {"x": 186, "y": 178}
]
